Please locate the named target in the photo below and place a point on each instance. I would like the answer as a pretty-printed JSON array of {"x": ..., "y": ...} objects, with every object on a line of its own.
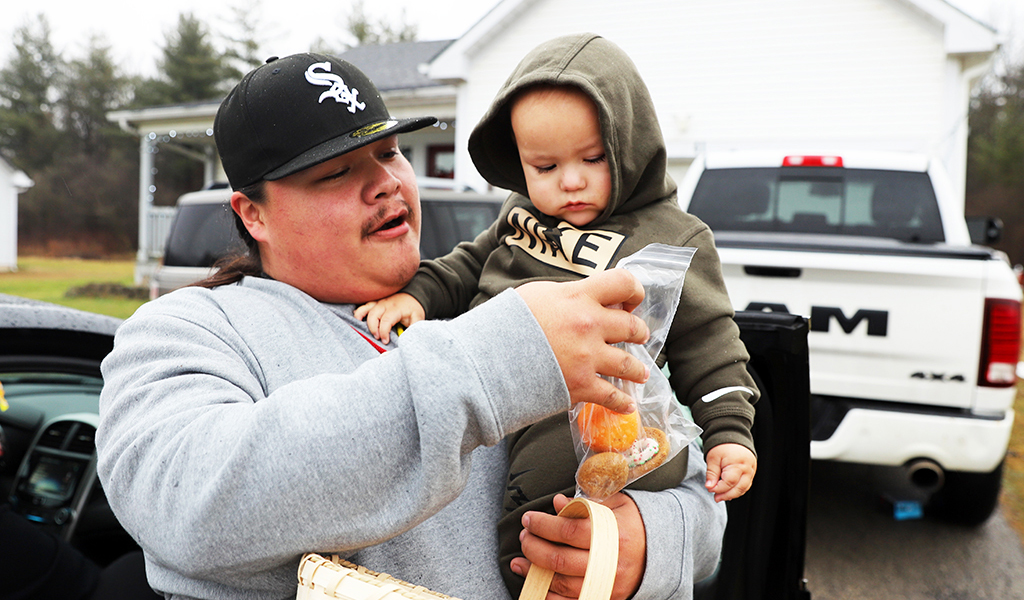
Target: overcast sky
[{"x": 136, "y": 30}]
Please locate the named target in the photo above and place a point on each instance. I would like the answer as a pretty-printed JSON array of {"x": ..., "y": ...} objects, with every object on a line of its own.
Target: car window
[
  {"x": 446, "y": 223},
  {"x": 200, "y": 235},
  {"x": 878, "y": 203}
]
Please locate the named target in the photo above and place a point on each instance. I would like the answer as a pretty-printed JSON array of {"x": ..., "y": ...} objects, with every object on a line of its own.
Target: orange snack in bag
[{"x": 604, "y": 430}]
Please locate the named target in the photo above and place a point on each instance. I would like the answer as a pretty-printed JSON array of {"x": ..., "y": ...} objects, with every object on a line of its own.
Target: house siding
[
  {"x": 843, "y": 70},
  {"x": 799, "y": 73},
  {"x": 8, "y": 217}
]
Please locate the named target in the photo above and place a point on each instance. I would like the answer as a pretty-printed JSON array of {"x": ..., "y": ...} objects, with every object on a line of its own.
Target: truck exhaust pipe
[{"x": 925, "y": 475}]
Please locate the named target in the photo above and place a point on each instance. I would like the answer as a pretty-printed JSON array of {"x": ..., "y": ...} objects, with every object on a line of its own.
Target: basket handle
[{"x": 604, "y": 555}]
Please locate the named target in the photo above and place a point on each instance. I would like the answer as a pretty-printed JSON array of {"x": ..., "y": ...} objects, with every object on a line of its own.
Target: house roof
[
  {"x": 397, "y": 66},
  {"x": 18, "y": 178}
]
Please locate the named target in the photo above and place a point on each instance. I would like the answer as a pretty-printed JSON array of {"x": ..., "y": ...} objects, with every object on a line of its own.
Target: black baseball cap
[{"x": 295, "y": 112}]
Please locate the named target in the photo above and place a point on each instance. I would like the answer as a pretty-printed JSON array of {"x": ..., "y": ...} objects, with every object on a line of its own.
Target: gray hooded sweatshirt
[{"x": 248, "y": 424}]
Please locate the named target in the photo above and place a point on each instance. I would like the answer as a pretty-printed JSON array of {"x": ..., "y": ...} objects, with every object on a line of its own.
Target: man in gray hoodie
[{"x": 250, "y": 419}]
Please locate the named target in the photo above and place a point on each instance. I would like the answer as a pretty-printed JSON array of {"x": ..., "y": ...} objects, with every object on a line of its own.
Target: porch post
[{"x": 147, "y": 147}]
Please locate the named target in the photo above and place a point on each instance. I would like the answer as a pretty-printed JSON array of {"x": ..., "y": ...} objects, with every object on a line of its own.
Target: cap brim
[{"x": 348, "y": 142}]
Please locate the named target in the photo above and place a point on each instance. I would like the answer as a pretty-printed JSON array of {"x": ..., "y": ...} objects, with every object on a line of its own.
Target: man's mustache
[{"x": 386, "y": 213}]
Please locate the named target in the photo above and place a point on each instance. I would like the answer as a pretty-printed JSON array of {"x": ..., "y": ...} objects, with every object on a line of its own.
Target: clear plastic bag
[{"x": 615, "y": 450}]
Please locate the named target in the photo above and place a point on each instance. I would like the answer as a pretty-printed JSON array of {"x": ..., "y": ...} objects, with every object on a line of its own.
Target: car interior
[{"x": 60, "y": 536}]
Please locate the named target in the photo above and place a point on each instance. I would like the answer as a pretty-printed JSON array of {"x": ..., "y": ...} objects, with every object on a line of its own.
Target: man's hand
[
  {"x": 580, "y": 320},
  {"x": 731, "y": 469},
  {"x": 562, "y": 545}
]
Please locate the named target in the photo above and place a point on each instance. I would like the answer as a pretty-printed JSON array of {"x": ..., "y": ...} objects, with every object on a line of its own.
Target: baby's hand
[
  {"x": 731, "y": 469},
  {"x": 385, "y": 313}
]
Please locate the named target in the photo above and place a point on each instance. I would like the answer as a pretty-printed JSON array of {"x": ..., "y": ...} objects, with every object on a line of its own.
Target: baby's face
[{"x": 560, "y": 146}]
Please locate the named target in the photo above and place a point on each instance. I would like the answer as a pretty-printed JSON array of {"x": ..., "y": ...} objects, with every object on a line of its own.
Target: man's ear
[{"x": 251, "y": 214}]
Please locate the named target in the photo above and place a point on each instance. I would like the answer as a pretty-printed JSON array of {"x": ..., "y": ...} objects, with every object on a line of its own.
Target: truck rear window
[{"x": 837, "y": 201}]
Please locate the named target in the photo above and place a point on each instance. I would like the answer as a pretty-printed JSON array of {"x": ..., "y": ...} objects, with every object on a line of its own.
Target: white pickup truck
[{"x": 914, "y": 331}]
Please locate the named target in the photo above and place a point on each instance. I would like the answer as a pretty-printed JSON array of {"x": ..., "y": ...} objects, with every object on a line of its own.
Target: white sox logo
[
  {"x": 564, "y": 247},
  {"x": 339, "y": 91}
]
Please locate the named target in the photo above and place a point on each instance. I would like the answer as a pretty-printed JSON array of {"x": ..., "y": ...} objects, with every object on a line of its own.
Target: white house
[
  {"x": 12, "y": 183},
  {"x": 881, "y": 74}
]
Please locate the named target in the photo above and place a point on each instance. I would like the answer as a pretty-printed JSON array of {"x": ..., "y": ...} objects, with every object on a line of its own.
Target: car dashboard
[
  {"x": 57, "y": 471},
  {"x": 50, "y": 385}
]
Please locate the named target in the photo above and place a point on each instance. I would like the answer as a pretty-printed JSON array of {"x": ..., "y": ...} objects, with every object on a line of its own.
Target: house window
[{"x": 441, "y": 161}]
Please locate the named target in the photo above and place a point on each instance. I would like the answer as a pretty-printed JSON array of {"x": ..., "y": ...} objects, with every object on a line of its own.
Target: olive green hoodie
[{"x": 703, "y": 349}]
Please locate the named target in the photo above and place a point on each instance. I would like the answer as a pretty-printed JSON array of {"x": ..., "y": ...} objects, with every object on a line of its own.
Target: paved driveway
[{"x": 857, "y": 550}]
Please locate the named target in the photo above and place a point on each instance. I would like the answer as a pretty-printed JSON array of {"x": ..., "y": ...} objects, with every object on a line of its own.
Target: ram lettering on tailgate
[{"x": 821, "y": 317}]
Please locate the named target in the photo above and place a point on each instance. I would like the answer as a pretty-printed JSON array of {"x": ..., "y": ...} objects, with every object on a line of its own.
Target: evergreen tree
[
  {"x": 242, "y": 39},
  {"x": 53, "y": 125},
  {"x": 995, "y": 157},
  {"x": 364, "y": 30},
  {"x": 997, "y": 131},
  {"x": 93, "y": 86},
  {"x": 28, "y": 135},
  {"x": 191, "y": 69},
  {"x": 367, "y": 31},
  {"x": 84, "y": 199}
]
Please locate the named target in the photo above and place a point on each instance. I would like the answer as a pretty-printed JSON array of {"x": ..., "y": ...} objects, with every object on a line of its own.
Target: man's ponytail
[{"x": 233, "y": 267}]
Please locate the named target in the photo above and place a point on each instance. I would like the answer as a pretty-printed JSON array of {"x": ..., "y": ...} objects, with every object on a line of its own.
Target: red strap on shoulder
[{"x": 372, "y": 343}]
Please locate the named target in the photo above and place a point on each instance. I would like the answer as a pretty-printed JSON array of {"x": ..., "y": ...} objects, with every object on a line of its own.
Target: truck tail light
[
  {"x": 1000, "y": 343},
  {"x": 812, "y": 161}
]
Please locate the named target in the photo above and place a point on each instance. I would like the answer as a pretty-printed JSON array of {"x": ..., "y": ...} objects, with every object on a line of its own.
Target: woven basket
[
  {"x": 322, "y": 578},
  {"x": 332, "y": 578}
]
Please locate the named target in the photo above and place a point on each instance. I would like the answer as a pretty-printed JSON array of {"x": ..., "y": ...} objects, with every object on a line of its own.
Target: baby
[{"x": 573, "y": 133}]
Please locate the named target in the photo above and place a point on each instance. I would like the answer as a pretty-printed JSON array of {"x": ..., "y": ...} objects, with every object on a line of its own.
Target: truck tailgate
[{"x": 883, "y": 326}]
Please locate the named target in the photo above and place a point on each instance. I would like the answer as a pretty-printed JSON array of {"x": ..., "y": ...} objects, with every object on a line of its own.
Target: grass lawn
[
  {"x": 51, "y": 279},
  {"x": 1013, "y": 474}
]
